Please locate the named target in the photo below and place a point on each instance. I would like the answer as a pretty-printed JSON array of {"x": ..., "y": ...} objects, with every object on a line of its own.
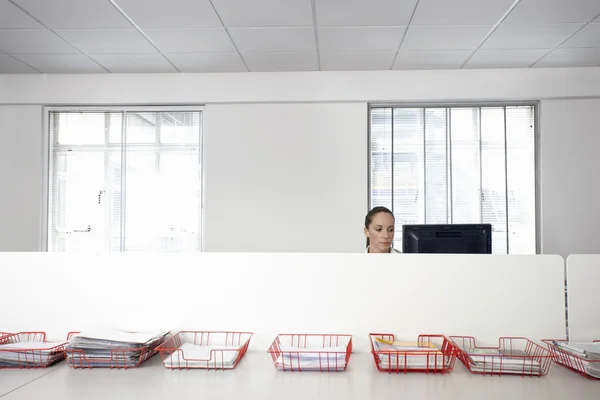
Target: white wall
[
  {"x": 312, "y": 108},
  {"x": 20, "y": 178},
  {"x": 285, "y": 177},
  {"x": 372, "y": 86},
  {"x": 569, "y": 182}
]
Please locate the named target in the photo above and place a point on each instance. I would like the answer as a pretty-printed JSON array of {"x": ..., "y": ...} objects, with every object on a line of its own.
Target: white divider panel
[
  {"x": 583, "y": 285},
  {"x": 481, "y": 295}
]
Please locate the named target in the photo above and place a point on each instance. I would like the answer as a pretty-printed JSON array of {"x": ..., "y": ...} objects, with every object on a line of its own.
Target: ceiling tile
[
  {"x": 13, "y": 17},
  {"x": 75, "y": 14},
  {"x": 261, "y": 13},
  {"x": 357, "y": 61},
  {"x": 360, "y": 38},
  {"x": 571, "y": 58},
  {"x": 505, "y": 58},
  {"x": 192, "y": 41},
  {"x": 208, "y": 62},
  {"x": 254, "y": 40},
  {"x": 33, "y": 41},
  {"x": 529, "y": 36},
  {"x": 589, "y": 36},
  {"x": 271, "y": 62},
  {"x": 363, "y": 12},
  {"x": 459, "y": 12},
  {"x": 172, "y": 14},
  {"x": 10, "y": 65},
  {"x": 61, "y": 63},
  {"x": 114, "y": 41},
  {"x": 444, "y": 38},
  {"x": 140, "y": 63},
  {"x": 554, "y": 11},
  {"x": 448, "y": 59}
]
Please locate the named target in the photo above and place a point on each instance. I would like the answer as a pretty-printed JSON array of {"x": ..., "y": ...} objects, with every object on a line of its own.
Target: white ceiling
[{"x": 121, "y": 36}]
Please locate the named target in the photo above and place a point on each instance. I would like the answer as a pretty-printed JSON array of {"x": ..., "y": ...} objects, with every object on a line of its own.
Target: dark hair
[{"x": 374, "y": 211}]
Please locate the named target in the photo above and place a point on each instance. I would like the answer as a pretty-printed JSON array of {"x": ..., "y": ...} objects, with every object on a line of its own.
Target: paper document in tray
[
  {"x": 28, "y": 354},
  {"x": 581, "y": 354},
  {"x": 108, "y": 347},
  {"x": 317, "y": 358},
  {"x": 410, "y": 355},
  {"x": 489, "y": 360}
]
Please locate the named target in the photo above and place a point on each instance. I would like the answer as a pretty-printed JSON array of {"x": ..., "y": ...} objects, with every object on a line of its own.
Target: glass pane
[
  {"x": 81, "y": 205},
  {"x": 179, "y": 127},
  {"x": 459, "y": 158},
  {"x": 409, "y": 164},
  {"x": 79, "y": 128},
  {"x": 381, "y": 157},
  {"x": 520, "y": 135},
  {"x": 114, "y": 124},
  {"x": 436, "y": 167},
  {"x": 141, "y": 127},
  {"x": 465, "y": 161},
  {"x": 165, "y": 186},
  {"x": 493, "y": 176}
]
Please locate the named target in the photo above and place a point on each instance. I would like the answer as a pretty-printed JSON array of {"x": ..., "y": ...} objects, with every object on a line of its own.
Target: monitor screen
[{"x": 452, "y": 238}]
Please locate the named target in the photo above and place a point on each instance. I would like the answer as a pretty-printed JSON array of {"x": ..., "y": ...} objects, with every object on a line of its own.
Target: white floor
[{"x": 256, "y": 378}]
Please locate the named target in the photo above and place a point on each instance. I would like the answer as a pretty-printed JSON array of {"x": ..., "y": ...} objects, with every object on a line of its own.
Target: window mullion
[
  {"x": 449, "y": 160},
  {"x": 506, "y": 181}
]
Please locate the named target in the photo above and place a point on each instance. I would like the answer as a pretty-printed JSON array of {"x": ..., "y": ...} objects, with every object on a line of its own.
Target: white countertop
[
  {"x": 255, "y": 377},
  {"x": 12, "y": 379}
]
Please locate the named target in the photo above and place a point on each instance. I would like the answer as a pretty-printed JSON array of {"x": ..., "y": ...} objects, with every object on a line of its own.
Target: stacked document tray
[
  {"x": 581, "y": 357},
  {"x": 204, "y": 350},
  {"x": 513, "y": 355},
  {"x": 429, "y": 354},
  {"x": 311, "y": 352},
  {"x": 29, "y": 350},
  {"x": 112, "y": 348}
]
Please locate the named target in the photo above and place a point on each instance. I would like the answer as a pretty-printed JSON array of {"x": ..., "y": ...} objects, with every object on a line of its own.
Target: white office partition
[
  {"x": 583, "y": 284},
  {"x": 486, "y": 296}
]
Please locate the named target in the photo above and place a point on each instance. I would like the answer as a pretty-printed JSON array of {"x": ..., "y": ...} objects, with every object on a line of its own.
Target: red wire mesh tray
[
  {"x": 513, "y": 355},
  {"x": 4, "y": 334},
  {"x": 311, "y": 352},
  {"x": 575, "y": 363},
  {"x": 29, "y": 350},
  {"x": 204, "y": 349},
  {"x": 430, "y": 354},
  {"x": 117, "y": 358}
]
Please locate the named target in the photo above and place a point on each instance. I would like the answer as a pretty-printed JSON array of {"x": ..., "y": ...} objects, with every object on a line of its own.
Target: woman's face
[{"x": 381, "y": 233}]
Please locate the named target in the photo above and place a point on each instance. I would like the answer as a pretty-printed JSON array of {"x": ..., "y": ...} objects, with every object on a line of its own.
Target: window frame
[
  {"x": 536, "y": 144},
  {"x": 47, "y": 148}
]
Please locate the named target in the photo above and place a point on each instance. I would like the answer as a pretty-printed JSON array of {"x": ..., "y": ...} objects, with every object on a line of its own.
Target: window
[
  {"x": 440, "y": 165},
  {"x": 124, "y": 180}
]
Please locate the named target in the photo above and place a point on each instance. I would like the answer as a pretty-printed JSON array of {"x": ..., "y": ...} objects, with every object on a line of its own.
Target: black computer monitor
[{"x": 451, "y": 238}]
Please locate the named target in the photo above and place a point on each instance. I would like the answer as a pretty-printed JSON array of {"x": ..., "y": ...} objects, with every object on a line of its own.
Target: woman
[{"x": 379, "y": 230}]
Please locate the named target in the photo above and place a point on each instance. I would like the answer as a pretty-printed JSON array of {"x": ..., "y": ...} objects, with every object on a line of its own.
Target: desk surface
[
  {"x": 255, "y": 377},
  {"x": 13, "y": 379}
]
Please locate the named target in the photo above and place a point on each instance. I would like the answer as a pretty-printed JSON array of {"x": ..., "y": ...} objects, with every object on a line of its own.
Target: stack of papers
[
  {"x": 30, "y": 354},
  {"x": 580, "y": 355},
  {"x": 112, "y": 348},
  {"x": 190, "y": 355},
  {"x": 311, "y": 358},
  {"x": 498, "y": 361},
  {"x": 408, "y": 355}
]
